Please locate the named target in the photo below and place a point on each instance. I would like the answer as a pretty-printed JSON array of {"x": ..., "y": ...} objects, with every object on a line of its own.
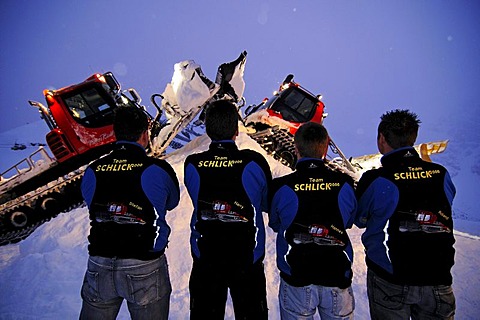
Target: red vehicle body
[
  {"x": 274, "y": 122},
  {"x": 80, "y": 116},
  {"x": 295, "y": 104},
  {"x": 292, "y": 103}
]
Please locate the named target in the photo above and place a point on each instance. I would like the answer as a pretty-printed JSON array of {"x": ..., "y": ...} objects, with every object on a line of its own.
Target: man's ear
[
  {"x": 382, "y": 144},
  {"x": 325, "y": 150},
  {"x": 235, "y": 135},
  {"x": 144, "y": 139},
  {"x": 296, "y": 152}
]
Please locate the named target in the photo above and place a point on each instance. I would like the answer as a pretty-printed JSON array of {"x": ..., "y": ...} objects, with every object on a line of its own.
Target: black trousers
[{"x": 209, "y": 284}]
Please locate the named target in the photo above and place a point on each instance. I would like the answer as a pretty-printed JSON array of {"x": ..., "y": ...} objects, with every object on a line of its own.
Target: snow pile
[
  {"x": 187, "y": 89},
  {"x": 41, "y": 277}
]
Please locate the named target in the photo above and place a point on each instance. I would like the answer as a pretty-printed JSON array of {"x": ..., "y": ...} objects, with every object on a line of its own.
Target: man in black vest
[
  {"x": 229, "y": 189},
  {"x": 128, "y": 194},
  {"x": 311, "y": 209},
  {"x": 406, "y": 207}
]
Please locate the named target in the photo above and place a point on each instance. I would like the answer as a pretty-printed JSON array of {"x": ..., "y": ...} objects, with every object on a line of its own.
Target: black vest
[
  {"x": 122, "y": 217},
  {"x": 420, "y": 231},
  {"x": 225, "y": 214},
  {"x": 318, "y": 259}
]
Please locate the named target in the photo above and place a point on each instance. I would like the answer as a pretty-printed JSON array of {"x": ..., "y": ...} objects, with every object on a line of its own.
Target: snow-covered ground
[{"x": 40, "y": 277}]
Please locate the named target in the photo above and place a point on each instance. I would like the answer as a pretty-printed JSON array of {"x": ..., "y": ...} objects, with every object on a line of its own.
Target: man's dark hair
[
  {"x": 311, "y": 139},
  {"x": 399, "y": 127},
  {"x": 221, "y": 120},
  {"x": 129, "y": 123}
]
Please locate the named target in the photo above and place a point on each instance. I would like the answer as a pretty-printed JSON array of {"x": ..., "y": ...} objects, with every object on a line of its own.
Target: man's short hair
[
  {"x": 129, "y": 123},
  {"x": 311, "y": 139},
  {"x": 221, "y": 120},
  {"x": 399, "y": 127}
]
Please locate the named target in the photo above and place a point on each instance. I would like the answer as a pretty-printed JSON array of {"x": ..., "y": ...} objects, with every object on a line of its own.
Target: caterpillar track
[
  {"x": 278, "y": 143},
  {"x": 27, "y": 212}
]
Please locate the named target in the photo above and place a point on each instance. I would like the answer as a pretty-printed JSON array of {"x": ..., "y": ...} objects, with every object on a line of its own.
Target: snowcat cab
[
  {"x": 293, "y": 104},
  {"x": 80, "y": 116}
]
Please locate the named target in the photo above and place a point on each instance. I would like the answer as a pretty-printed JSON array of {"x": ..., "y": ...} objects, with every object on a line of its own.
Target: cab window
[
  {"x": 89, "y": 108},
  {"x": 295, "y": 106}
]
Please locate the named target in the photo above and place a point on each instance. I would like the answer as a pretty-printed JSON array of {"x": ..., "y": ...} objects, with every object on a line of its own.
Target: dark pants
[
  {"x": 391, "y": 301},
  {"x": 209, "y": 284}
]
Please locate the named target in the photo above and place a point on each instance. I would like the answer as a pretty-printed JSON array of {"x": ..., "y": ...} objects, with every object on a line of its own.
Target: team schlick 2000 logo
[
  {"x": 118, "y": 165},
  {"x": 218, "y": 162},
  {"x": 316, "y": 184},
  {"x": 414, "y": 173}
]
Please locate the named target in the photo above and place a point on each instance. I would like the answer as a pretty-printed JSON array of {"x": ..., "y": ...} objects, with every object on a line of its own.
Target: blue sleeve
[
  {"x": 256, "y": 185},
  {"x": 163, "y": 193},
  {"x": 192, "y": 182},
  {"x": 449, "y": 187},
  {"x": 88, "y": 185},
  {"x": 347, "y": 203},
  {"x": 377, "y": 204},
  {"x": 160, "y": 189},
  {"x": 283, "y": 209}
]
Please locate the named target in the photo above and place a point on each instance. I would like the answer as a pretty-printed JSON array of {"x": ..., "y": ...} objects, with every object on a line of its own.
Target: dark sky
[{"x": 365, "y": 57}]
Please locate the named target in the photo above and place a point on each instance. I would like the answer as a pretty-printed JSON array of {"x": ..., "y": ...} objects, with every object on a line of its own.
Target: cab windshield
[
  {"x": 90, "y": 108},
  {"x": 295, "y": 105}
]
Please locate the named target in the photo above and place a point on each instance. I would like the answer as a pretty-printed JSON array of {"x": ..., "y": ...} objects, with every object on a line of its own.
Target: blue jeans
[
  {"x": 144, "y": 284},
  {"x": 302, "y": 302},
  {"x": 391, "y": 301}
]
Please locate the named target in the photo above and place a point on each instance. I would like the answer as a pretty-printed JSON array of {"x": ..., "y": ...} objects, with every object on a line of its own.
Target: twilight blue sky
[{"x": 365, "y": 57}]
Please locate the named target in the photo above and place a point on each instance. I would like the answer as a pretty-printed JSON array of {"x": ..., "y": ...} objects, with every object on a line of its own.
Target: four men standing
[{"x": 408, "y": 237}]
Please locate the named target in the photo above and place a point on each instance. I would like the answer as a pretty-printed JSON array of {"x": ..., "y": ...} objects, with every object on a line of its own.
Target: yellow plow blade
[{"x": 428, "y": 148}]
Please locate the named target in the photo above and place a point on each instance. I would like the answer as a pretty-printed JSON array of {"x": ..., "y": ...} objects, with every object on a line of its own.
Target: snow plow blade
[
  {"x": 424, "y": 150},
  {"x": 429, "y": 148}
]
